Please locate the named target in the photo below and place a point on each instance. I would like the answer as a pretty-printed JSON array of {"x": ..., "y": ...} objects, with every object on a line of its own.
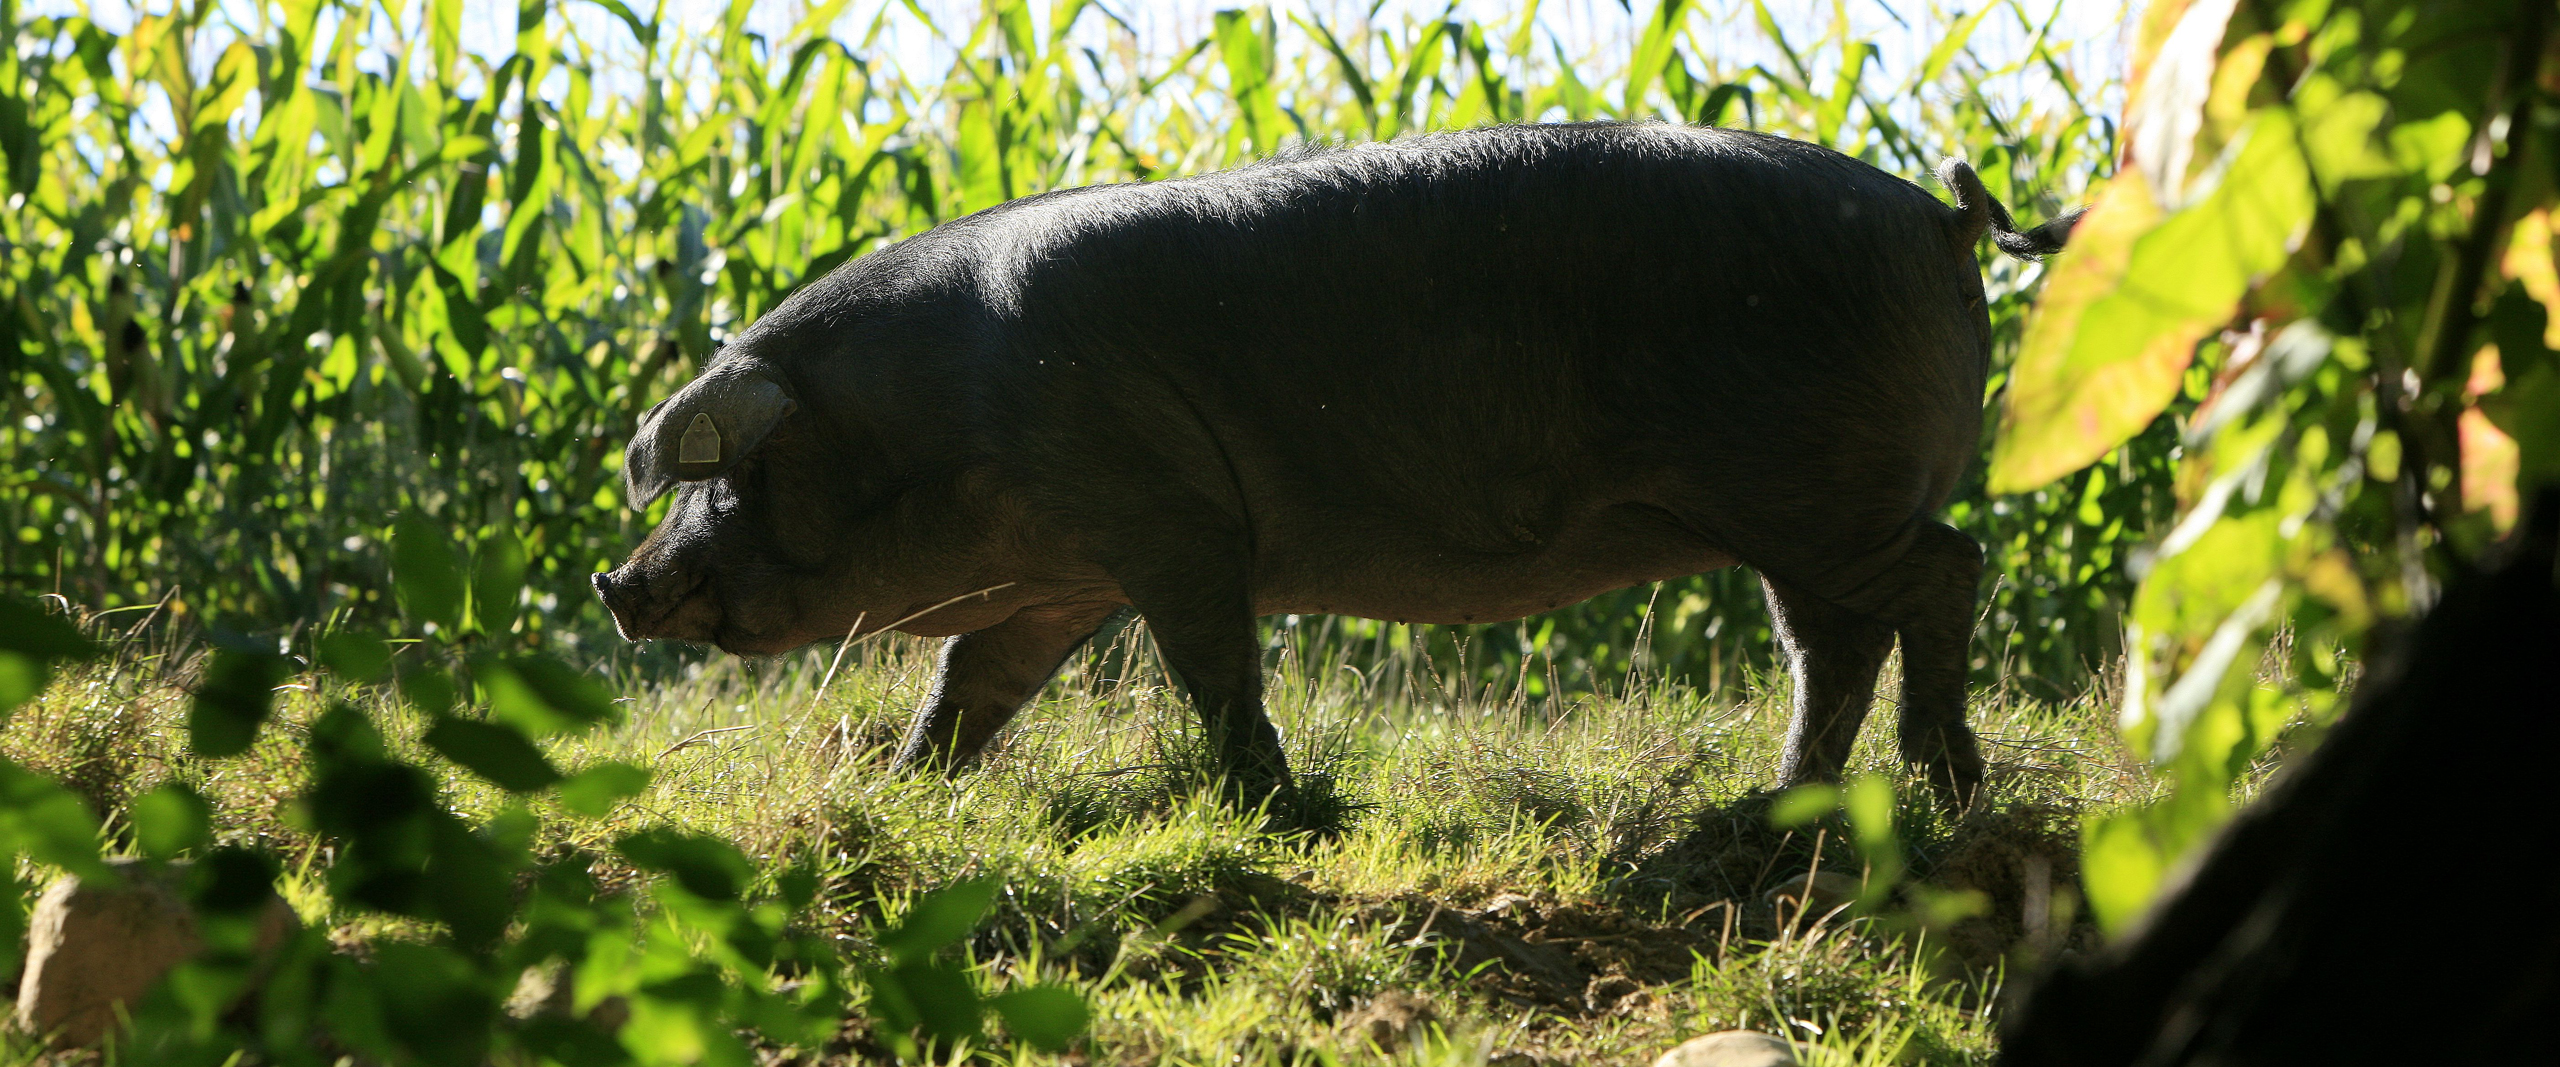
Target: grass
[{"x": 1469, "y": 875}]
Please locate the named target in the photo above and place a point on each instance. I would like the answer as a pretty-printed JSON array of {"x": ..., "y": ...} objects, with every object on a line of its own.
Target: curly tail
[{"x": 1976, "y": 211}]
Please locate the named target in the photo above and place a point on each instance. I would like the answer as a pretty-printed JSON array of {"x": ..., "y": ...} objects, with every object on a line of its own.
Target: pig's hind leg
[
  {"x": 1934, "y": 611},
  {"x": 1918, "y": 585},
  {"x": 1204, "y": 628}
]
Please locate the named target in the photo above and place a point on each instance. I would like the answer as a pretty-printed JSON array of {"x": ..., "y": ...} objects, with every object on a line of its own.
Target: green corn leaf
[
  {"x": 1653, "y": 52},
  {"x": 1945, "y": 51}
]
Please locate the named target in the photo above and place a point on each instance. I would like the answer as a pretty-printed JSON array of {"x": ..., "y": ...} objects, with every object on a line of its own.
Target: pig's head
[{"x": 751, "y": 539}]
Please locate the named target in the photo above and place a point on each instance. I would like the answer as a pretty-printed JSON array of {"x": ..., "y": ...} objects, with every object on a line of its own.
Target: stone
[
  {"x": 1814, "y": 897},
  {"x": 1730, "y": 1048},
  {"x": 92, "y": 945},
  {"x": 1510, "y": 906},
  {"x": 547, "y": 991},
  {"x": 1392, "y": 1021}
]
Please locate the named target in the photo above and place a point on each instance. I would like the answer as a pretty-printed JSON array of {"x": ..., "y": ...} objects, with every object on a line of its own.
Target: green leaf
[
  {"x": 37, "y": 633},
  {"x": 30, "y": 638},
  {"x": 943, "y": 998},
  {"x": 2340, "y": 139},
  {"x": 233, "y": 701},
  {"x": 512, "y": 832},
  {"x": 939, "y": 919},
  {"x": 21, "y": 677},
  {"x": 1869, "y": 801},
  {"x": 47, "y": 822},
  {"x": 2198, "y": 582},
  {"x": 798, "y": 886},
  {"x": 1803, "y": 805},
  {"x": 1047, "y": 1017},
  {"x": 2120, "y": 867},
  {"x": 890, "y": 1004},
  {"x": 344, "y": 735},
  {"x": 429, "y": 690},
  {"x": 543, "y": 696},
  {"x": 356, "y": 657},
  {"x": 706, "y": 867},
  {"x": 429, "y": 578},
  {"x": 497, "y": 575},
  {"x": 2125, "y": 855},
  {"x": 2532, "y": 406},
  {"x": 495, "y": 751},
  {"x": 594, "y": 791},
  {"x": 234, "y": 881},
  {"x": 467, "y": 881},
  {"x": 170, "y": 820}
]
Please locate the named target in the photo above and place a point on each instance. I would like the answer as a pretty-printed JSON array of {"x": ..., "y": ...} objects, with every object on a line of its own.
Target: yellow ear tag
[{"x": 701, "y": 442}]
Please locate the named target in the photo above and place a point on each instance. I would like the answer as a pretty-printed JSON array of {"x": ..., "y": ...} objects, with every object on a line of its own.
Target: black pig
[{"x": 1457, "y": 378}]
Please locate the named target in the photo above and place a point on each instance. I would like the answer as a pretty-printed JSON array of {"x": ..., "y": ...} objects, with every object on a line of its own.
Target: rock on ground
[
  {"x": 1393, "y": 1020},
  {"x": 94, "y": 944},
  {"x": 1730, "y": 1048}
]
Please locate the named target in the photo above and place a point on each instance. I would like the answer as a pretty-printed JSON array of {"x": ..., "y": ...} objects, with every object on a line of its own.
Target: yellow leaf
[
  {"x": 2530, "y": 263},
  {"x": 2331, "y": 576},
  {"x": 2489, "y": 462},
  {"x": 2166, "y": 108},
  {"x": 2046, "y": 430},
  {"x": 2129, "y": 300}
]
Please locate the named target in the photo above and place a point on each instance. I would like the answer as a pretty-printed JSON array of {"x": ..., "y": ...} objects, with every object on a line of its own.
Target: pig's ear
[{"x": 703, "y": 430}]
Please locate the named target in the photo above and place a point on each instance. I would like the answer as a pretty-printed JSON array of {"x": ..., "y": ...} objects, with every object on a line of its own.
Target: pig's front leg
[{"x": 985, "y": 677}]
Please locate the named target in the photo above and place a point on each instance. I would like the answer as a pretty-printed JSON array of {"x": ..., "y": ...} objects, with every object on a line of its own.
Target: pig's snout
[
  {"x": 617, "y": 600},
  {"x": 659, "y": 605}
]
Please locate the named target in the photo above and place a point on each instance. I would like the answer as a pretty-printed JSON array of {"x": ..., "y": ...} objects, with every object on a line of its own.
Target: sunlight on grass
[{"x": 1565, "y": 878}]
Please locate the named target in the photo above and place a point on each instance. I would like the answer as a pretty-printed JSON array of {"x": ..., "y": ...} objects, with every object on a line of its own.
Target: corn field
[{"x": 272, "y": 275}]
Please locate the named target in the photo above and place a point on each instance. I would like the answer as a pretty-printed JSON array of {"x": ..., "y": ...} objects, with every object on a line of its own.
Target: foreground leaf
[
  {"x": 234, "y": 700},
  {"x": 495, "y": 751}
]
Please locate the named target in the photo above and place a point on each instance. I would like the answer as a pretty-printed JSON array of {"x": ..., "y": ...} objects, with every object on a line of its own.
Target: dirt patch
[
  {"x": 2024, "y": 860},
  {"x": 1561, "y": 960}
]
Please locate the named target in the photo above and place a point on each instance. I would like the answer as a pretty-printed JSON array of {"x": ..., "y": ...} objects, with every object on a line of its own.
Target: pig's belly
[{"x": 1440, "y": 579}]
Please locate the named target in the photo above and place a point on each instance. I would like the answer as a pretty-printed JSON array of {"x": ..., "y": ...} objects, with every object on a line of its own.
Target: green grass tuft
[{"x": 1472, "y": 875}]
